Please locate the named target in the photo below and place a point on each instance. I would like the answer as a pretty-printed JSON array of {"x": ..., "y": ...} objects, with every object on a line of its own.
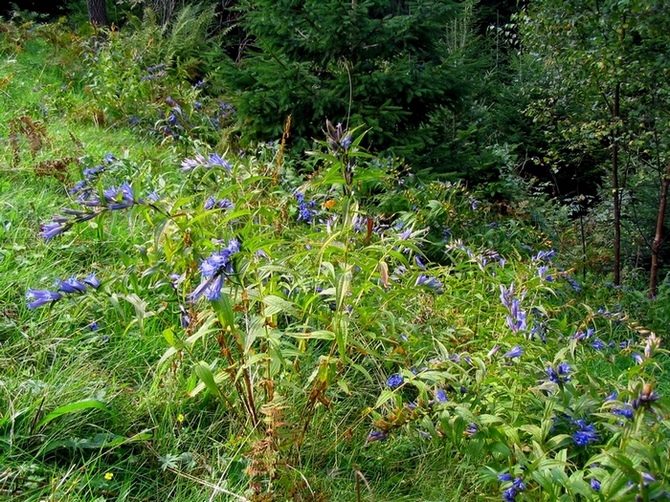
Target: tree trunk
[
  {"x": 615, "y": 188},
  {"x": 658, "y": 238},
  {"x": 97, "y": 12}
]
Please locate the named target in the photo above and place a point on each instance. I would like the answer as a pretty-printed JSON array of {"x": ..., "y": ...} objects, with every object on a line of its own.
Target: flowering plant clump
[
  {"x": 214, "y": 271},
  {"x": 40, "y": 297}
]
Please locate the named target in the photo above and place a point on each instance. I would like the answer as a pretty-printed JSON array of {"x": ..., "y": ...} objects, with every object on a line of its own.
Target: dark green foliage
[{"x": 390, "y": 66}]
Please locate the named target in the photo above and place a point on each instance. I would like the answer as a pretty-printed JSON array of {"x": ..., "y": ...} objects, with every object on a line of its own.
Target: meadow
[{"x": 186, "y": 316}]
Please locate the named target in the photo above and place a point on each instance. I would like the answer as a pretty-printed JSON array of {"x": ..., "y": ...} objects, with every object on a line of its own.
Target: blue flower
[
  {"x": 430, "y": 282},
  {"x": 598, "y": 344},
  {"x": 395, "y": 381},
  {"x": 210, "y": 203},
  {"x": 440, "y": 396},
  {"x": 377, "y": 436},
  {"x": 544, "y": 274},
  {"x": 213, "y": 271},
  {"x": 586, "y": 434},
  {"x": 595, "y": 485},
  {"x": 637, "y": 357},
  {"x": 216, "y": 160},
  {"x": 509, "y": 494},
  {"x": 559, "y": 375},
  {"x": 53, "y": 228},
  {"x": 506, "y": 296},
  {"x": 41, "y": 297},
  {"x": 92, "y": 281},
  {"x": 346, "y": 141},
  {"x": 575, "y": 285},
  {"x": 306, "y": 212},
  {"x": 471, "y": 430},
  {"x": 564, "y": 368},
  {"x": 516, "y": 321},
  {"x": 71, "y": 285},
  {"x": 119, "y": 198},
  {"x": 544, "y": 255},
  {"x": 93, "y": 326},
  {"x": 515, "y": 351},
  {"x": 519, "y": 484},
  {"x": 504, "y": 476},
  {"x": 623, "y": 412}
]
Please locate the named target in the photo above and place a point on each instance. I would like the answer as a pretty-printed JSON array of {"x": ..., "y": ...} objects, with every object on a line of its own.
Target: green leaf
[
  {"x": 275, "y": 305},
  {"x": 204, "y": 373},
  {"x": 85, "y": 404}
]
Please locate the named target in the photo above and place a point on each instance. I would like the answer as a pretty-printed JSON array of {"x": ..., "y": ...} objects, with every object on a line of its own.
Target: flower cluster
[
  {"x": 113, "y": 199},
  {"x": 40, "y": 297},
  {"x": 510, "y": 492},
  {"x": 516, "y": 320},
  {"x": 395, "y": 381},
  {"x": 430, "y": 282},
  {"x": 338, "y": 137},
  {"x": 482, "y": 259},
  {"x": 155, "y": 72},
  {"x": 214, "y": 160},
  {"x": 560, "y": 374},
  {"x": 306, "y": 211},
  {"x": 214, "y": 270},
  {"x": 214, "y": 203},
  {"x": 585, "y": 434}
]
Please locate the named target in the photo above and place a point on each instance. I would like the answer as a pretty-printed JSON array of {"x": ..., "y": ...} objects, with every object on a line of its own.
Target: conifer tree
[{"x": 387, "y": 65}]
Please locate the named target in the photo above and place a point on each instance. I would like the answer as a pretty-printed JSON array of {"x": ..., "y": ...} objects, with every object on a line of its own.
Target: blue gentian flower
[
  {"x": 623, "y": 412},
  {"x": 544, "y": 255},
  {"x": 305, "y": 209},
  {"x": 213, "y": 271},
  {"x": 647, "y": 478},
  {"x": 395, "y": 381},
  {"x": 516, "y": 321},
  {"x": 505, "y": 476},
  {"x": 544, "y": 274},
  {"x": 53, "y": 228},
  {"x": 506, "y": 296},
  {"x": 586, "y": 434},
  {"x": 637, "y": 357},
  {"x": 71, "y": 285},
  {"x": 41, "y": 297},
  {"x": 509, "y": 494},
  {"x": 119, "y": 198},
  {"x": 575, "y": 285},
  {"x": 92, "y": 280},
  {"x": 440, "y": 396},
  {"x": 515, "y": 351},
  {"x": 430, "y": 282},
  {"x": 216, "y": 160},
  {"x": 377, "y": 436},
  {"x": 598, "y": 344},
  {"x": 471, "y": 429},
  {"x": 210, "y": 203},
  {"x": 595, "y": 485},
  {"x": 559, "y": 375}
]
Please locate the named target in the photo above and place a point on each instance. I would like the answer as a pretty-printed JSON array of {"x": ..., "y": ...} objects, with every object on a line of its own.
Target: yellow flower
[
  {"x": 180, "y": 418},
  {"x": 109, "y": 476}
]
